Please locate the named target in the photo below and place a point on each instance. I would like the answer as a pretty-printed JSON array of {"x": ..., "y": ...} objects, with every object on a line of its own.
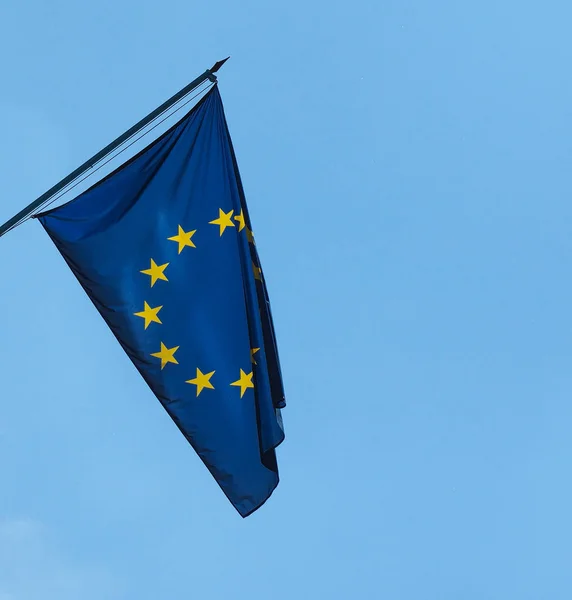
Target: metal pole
[{"x": 208, "y": 74}]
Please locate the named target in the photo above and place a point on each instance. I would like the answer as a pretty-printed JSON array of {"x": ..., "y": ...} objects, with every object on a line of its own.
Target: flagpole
[{"x": 209, "y": 74}]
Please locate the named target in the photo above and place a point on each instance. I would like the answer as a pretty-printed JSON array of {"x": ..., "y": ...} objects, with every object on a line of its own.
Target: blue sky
[{"x": 406, "y": 166}]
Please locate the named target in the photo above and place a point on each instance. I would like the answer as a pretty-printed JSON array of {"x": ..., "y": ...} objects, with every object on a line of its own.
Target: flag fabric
[{"x": 164, "y": 249}]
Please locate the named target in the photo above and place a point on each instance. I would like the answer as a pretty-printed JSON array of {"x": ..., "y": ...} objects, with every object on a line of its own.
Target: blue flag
[{"x": 165, "y": 251}]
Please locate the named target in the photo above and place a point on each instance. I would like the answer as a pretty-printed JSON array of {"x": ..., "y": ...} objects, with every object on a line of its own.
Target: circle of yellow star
[
  {"x": 240, "y": 220},
  {"x": 149, "y": 314},
  {"x": 257, "y": 272},
  {"x": 202, "y": 381},
  {"x": 183, "y": 238},
  {"x": 244, "y": 383},
  {"x": 167, "y": 355},
  {"x": 223, "y": 221},
  {"x": 156, "y": 272}
]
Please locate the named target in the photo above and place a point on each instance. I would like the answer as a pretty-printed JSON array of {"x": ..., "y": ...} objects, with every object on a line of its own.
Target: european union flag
[{"x": 164, "y": 249}]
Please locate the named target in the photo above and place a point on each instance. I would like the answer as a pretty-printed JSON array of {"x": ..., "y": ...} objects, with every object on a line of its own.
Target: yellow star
[
  {"x": 250, "y": 236},
  {"x": 202, "y": 381},
  {"x": 244, "y": 382},
  {"x": 149, "y": 314},
  {"x": 240, "y": 219},
  {"x": 183, "y": 238},
  {"x": 223, "y": 221},
  {"x": 257, "y": 272},
  {"x": 252, "y": 353},
  {"x": 156, "y": 272},
  {"x": 166, "y": 355}
]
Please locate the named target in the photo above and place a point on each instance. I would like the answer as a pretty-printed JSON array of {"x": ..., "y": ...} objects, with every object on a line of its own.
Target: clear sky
[{"x": 407, "y": 170}]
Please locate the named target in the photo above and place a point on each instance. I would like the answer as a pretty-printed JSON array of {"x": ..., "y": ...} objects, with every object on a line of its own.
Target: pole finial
[{"x": 218, "y": 65}]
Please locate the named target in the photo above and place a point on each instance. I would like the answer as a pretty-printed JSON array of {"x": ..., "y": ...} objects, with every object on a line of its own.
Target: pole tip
[{"x": 218, "y": 65}]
